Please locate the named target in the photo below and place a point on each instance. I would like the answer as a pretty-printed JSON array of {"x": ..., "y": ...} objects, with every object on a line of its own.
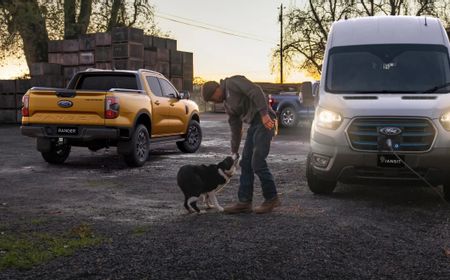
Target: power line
[{"x": 209, "y": 27}]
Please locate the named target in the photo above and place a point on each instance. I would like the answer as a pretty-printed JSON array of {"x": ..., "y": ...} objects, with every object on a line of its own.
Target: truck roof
[
  {"x": 388, "y": 30},
  {"x": 95, "y": 70}
]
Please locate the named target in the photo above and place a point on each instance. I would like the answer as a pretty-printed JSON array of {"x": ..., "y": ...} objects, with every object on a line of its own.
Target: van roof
[{"x": 388, "y": 30}]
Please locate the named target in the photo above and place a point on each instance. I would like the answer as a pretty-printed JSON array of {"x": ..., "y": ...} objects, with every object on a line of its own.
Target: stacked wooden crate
[
  {"x": 127, "y": 48},
  {"x": 122, "y": 48},
  {"x": 103, "y": 51},
  {"x": 47, "y": 74},
  {"x": 11, "y": 93}
]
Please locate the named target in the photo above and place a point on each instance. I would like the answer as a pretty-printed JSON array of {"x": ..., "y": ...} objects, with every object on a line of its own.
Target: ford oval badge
[
  {"x": 390, "y": 131},
  {"x": 65, "y": 103}
]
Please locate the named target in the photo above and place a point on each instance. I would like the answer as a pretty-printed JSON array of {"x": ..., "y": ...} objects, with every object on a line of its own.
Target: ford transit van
[{"x": 384, "y": 107}]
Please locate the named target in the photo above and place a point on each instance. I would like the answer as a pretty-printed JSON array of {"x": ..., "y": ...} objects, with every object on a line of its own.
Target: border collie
[{"x": 197, "y": 180}]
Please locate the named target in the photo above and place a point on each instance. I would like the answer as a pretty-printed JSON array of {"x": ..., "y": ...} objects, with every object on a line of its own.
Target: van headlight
[
  {"x": 328, "y": 119},
  {"x": 445, "y": 121}
]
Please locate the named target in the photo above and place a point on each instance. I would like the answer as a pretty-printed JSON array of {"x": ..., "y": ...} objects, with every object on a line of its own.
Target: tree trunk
[
  {"x": 30, "y": 24},
  {"x": 114, "y": 14},
  {"x": 85, "y": 16},
  {"x": 72, "y": 26}
]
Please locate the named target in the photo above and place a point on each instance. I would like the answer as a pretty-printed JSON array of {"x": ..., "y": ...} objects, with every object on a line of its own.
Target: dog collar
[{"x": 224, "y": 175}]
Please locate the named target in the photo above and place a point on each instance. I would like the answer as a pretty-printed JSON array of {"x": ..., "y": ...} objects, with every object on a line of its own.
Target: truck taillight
[
  {"x": 111, "y": 107},
  {"x": 270, "y": 100},
  {"x": 26, "y": 106}
]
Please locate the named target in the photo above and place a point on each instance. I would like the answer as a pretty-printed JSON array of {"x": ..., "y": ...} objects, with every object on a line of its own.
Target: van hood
[{"x": 358, "y": 105}]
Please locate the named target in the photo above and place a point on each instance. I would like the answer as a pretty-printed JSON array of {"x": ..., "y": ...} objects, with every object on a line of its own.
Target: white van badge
[{"x": 390, "y": 131}]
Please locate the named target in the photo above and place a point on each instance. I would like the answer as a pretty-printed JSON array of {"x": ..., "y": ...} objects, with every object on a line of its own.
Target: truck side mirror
[
  {"x": 184, "y": 94},
  {"x": 308, "y": 98}
]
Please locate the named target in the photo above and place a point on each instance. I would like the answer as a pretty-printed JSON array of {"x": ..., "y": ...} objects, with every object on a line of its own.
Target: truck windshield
[{"x": 399, "y": 68}]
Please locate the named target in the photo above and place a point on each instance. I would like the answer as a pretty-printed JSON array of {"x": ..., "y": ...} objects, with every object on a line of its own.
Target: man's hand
[
  {"x": 235, "y": 156},
  {"x": 267, "y": 121}
]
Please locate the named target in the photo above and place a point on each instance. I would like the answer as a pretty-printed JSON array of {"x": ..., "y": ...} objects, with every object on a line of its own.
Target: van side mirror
[
  {"x": 184, "y": 94},
  {"x": 307, "y": 94},
  {"x": 315, "y": 92}
]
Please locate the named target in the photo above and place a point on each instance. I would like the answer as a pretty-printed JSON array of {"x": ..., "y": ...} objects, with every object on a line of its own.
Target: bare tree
[
  {"x": 24, "y": 20},
  {"x": 307, "y": 28},
  {"x": 29, "y": 24}
]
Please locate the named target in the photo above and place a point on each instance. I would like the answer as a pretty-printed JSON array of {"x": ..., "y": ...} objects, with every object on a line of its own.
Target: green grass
[
  {"x": 140, "y": 230},
  {"x": 23, "y": 251},
  {"x": 39, "y": 221}
]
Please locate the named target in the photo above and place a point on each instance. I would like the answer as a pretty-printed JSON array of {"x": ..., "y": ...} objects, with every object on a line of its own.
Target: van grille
[{"x": 417, "y": 134}]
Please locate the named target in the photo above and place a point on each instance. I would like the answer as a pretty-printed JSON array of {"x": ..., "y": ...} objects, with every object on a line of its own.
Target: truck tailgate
[{"x": 53, "y": 106}]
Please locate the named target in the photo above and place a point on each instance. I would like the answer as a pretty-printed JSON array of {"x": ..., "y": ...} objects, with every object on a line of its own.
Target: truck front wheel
[
  {"x": 315, "y": 184},
  {"x": 138, "y": 147},
  {"x": 57, "y": 154},
  {"x": 193, "y": 138}
]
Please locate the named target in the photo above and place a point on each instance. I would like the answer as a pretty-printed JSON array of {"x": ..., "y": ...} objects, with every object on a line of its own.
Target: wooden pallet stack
[
  {"x": 127, "y": 48},
  {"x": 122, "y": 48},
  {"x": 11, "y": 93}
]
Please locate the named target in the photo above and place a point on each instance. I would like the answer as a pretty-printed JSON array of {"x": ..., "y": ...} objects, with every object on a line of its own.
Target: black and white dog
[{"x": 197, "y": 180}]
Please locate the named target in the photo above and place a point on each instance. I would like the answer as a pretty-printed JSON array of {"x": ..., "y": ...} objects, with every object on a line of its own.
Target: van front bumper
[{"x": 350, "y": 166}]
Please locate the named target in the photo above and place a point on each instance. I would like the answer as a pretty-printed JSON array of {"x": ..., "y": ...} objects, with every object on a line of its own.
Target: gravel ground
[{"x": 359, "y": 232}]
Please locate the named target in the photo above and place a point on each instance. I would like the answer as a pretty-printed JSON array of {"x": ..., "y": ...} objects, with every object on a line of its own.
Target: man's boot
[
  {"x": 239, "y": 207},
  {"x": 267, "y": 206}
]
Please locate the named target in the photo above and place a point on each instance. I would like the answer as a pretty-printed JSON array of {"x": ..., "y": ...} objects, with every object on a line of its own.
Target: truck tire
[
  {"x": 446, "y": 189},
  {"x": 58, "y": 153},
  {"x": 315, "y": 184},
  {"x": 288, "y": 117},
  {"x": 138, "y": 147},
  {"x": 193, "y": 138}
]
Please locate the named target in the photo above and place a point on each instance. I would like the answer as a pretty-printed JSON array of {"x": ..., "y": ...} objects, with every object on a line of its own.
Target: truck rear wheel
[
  {"x": 138, "y": 147},
  {"x": 193, "y": 138},
  {"x": 315, "y": 184},
  {"x": 446, "y": 188},
  {"x": 58, "y": 153},
  {"x": 288, "y": 117}
]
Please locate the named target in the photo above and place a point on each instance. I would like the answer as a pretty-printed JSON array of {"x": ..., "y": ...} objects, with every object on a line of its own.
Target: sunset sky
[{"x": 253, "y": 23}]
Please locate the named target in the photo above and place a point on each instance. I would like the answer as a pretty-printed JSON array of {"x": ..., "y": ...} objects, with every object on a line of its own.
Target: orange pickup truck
[{"x": 103, "y": 108}]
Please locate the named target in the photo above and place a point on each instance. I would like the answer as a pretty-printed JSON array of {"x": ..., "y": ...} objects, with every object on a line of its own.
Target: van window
[
  {"x": 399, "y": 68},
  {"x": 103, "y": 81}
]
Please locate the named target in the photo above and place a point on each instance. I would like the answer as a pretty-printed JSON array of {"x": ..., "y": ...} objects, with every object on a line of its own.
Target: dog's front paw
[{"x": 220, "y": 209}]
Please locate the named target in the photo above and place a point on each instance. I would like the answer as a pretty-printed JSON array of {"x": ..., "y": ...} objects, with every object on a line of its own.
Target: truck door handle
[{"x": 157, "y": 102}]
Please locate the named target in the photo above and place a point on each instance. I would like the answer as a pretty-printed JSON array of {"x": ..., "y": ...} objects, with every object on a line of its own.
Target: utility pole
[{"x": 281, "y": 43}]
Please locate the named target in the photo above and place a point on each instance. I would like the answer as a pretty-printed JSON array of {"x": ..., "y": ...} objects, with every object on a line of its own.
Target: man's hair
[{"x": 208, "y": 90}]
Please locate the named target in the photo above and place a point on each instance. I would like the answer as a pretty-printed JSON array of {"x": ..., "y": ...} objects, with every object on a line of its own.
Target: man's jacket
[{"x": 243, "y": 101}]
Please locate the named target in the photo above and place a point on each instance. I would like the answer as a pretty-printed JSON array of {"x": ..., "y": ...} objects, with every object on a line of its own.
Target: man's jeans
[{"x": 256, "y": 149}]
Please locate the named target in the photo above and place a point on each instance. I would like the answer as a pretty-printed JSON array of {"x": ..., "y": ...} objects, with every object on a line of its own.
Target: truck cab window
[
  {"x": 154, "y": 85},
  {"x": 106, "y": 82},
  {"x": 168, "y": 90}
]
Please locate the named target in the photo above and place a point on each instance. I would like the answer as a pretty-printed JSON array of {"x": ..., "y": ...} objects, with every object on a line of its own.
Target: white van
[{"x": 384, "y": 107}]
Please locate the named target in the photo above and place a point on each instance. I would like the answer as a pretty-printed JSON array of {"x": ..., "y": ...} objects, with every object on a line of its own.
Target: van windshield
[{"x": 399, "y": 68}]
